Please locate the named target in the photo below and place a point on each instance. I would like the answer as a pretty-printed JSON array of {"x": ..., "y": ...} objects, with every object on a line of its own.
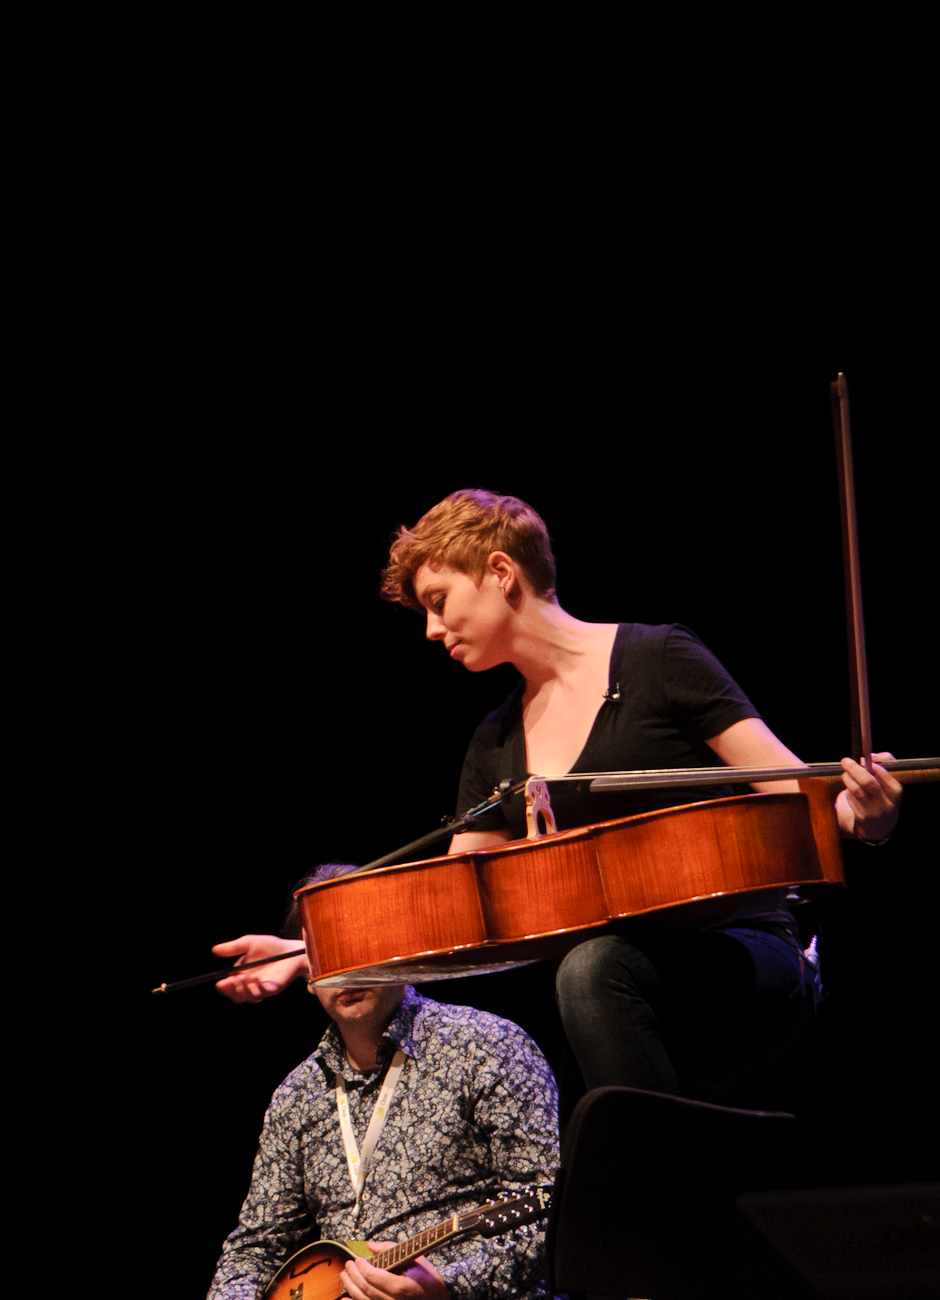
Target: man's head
[
  {"x": 291, "y": 929},
  {"x": 461, "y": 532},
  {"x": 355, "y": 1010},
  {"x": 366, "y": 1011}
]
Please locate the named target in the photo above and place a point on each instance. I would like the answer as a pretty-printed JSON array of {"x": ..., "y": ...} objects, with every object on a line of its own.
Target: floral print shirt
[{"x": 474, "y": 1113}]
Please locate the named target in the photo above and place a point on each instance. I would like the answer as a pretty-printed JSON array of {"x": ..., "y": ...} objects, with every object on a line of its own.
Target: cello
[{"x": 490, "y": 909}]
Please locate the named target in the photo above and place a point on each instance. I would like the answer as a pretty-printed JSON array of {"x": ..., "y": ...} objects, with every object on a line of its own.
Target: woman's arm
[
  {"x": 751, "y": 743},
  {"x": 868, "y": 807}
]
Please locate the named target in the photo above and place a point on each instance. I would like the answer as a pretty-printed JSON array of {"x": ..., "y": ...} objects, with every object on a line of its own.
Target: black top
[{"x": 669, "y": 695}]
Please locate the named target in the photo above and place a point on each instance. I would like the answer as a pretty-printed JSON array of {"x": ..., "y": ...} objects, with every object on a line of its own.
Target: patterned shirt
[{"x": 475, "y": 1112}]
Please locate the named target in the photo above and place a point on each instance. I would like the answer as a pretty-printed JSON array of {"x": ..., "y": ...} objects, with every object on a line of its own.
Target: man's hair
[
  {"x": 291, "y": 929},
  {"x": 461, "y": 532}
]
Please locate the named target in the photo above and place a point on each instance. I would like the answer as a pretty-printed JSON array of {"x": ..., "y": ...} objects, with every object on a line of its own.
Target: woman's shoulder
[{"x": 651, "y": 638}]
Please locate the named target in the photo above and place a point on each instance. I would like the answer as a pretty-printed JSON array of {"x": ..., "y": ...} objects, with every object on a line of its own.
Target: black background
[{"x": 313, "y": 281}]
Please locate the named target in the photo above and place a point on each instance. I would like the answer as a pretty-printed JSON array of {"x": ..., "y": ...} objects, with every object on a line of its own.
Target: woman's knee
[{"x": 596, "y": 966}]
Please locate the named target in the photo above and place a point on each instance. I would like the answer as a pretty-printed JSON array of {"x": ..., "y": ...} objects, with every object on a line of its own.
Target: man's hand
[
  {"x": 264, "y": 981},
  {"x": 421, "y": 1281},
  {"x": 869, "y": 805}
]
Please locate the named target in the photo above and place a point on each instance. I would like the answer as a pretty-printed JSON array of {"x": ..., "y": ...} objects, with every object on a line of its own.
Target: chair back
[{"x": 646, "y": 1191}]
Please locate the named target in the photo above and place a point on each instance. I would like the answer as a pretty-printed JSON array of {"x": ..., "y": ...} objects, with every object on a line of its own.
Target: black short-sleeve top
[{"x": 667, "y": 696}]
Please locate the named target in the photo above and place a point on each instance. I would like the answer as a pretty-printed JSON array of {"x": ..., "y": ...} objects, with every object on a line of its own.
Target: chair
[{"x": 644, "y": 1199}]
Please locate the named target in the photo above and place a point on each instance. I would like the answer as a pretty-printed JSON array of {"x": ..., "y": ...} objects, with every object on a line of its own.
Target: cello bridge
[{"x": 538, "y": 802}]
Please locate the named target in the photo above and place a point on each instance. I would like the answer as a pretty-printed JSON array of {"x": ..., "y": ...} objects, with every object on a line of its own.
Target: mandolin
[{"x": 314, "y": 1272}]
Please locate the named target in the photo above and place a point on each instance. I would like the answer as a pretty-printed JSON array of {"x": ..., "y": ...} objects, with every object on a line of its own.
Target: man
[{"x": 472, "y": 1112}]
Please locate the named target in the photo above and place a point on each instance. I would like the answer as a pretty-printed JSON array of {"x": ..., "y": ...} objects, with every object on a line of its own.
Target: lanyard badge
[{"x": 360, "y": 1161}]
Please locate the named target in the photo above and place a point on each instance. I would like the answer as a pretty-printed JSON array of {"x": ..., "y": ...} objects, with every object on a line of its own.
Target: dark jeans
[{"x": 687, "y": 1014}]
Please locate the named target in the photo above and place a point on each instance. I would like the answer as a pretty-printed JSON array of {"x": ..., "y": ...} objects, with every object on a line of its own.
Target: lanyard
[{"x": 360, "y": 1162}]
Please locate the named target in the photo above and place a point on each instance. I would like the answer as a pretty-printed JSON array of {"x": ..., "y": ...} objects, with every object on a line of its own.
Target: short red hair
[{"x": 461, "y": 532}]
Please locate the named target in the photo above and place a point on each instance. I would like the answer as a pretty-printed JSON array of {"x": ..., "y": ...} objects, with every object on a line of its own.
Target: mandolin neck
[
  {"x": 406, "y": 1252},
  {"x": 491, "y": 1219}
]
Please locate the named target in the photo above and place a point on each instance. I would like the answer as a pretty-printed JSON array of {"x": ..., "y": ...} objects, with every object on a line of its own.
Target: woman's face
[{"x": 470, "y": 616}]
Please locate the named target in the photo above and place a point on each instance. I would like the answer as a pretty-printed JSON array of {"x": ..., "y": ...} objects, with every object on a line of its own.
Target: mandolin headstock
[{"x": 508, "y": 1212}]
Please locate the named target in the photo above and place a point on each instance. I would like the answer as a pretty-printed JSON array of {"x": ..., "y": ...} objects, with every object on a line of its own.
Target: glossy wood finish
[
  {"x": 422, "y": 907},
  {"x": 821, "y": 793},
  {"x": 313, "y": 1273},
  {"x": 717, "y": 849},
  {"x": 527, "y": 900}
]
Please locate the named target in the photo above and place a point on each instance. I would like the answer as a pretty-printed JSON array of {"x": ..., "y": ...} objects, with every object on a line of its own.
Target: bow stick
[{"x": 858, "y": 666}]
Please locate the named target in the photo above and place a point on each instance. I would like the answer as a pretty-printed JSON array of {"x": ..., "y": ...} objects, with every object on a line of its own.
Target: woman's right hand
[{"x": 264, "y": 981}]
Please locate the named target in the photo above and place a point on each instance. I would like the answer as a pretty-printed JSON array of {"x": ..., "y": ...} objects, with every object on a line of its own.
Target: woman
[{"x": 688, "y": 1013}]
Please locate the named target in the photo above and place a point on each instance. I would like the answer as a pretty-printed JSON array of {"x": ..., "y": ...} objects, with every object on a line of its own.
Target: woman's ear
[{"x": 504, "y": 569}]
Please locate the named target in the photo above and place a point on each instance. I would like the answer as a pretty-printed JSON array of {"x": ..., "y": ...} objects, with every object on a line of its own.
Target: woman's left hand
[{"x": 869, "y": 805}]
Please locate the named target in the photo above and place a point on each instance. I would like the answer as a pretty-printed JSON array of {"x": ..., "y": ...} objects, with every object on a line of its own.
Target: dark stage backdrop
[
  {"x": 292, "y": 321},
  {"x": 248, "y": 707}
]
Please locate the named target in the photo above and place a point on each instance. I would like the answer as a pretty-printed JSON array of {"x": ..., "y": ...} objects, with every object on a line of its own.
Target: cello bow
[{"x": 855, "y": 622}]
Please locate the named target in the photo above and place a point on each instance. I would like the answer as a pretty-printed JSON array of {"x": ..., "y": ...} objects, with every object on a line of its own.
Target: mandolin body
[{"x": 314, "y": 1272}]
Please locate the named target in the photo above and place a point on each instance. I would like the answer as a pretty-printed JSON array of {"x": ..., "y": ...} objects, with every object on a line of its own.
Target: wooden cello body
[{"x": 469, "y": 913}]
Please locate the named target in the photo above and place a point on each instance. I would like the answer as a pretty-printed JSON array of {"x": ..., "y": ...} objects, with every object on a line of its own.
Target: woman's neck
[{"x": 550, "y": 645}]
